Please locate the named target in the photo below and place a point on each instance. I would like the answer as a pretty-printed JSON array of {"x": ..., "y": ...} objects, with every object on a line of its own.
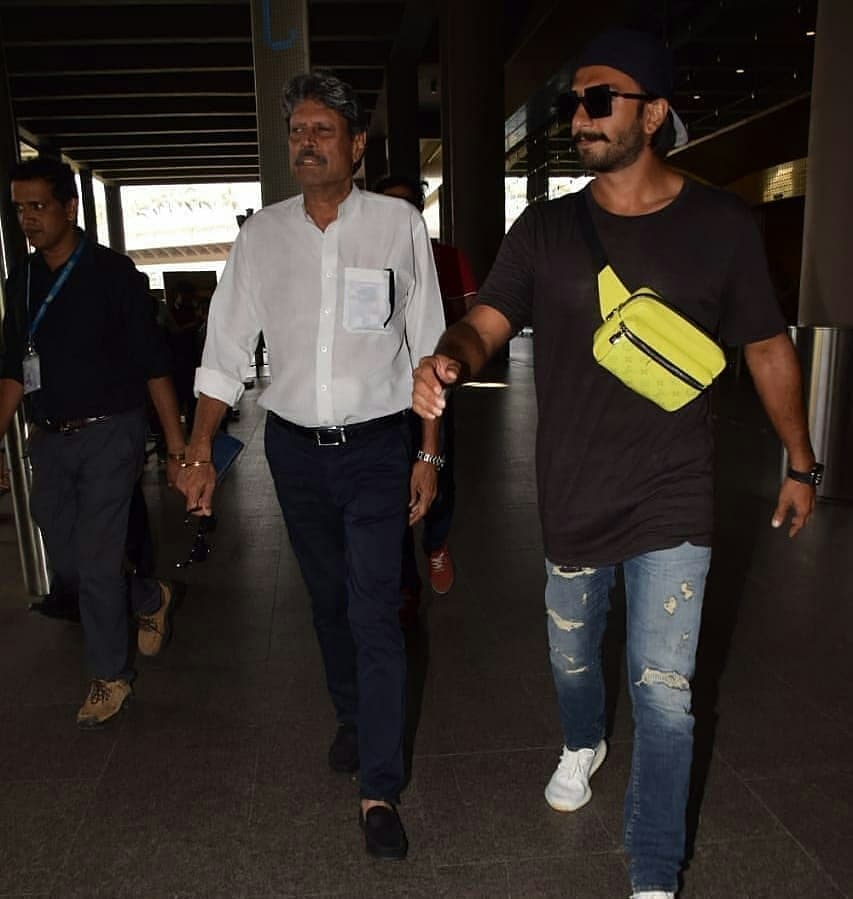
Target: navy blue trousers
[{"x": 346, "y": 508}]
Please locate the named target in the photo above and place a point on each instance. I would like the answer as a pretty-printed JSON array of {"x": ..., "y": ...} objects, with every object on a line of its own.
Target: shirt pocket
[{"x": 368, "y": 299}]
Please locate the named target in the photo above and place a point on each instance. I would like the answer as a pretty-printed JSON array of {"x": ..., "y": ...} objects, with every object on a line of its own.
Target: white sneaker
[
  {"x": 653, "y": 894},
  {"x": 568, "y": 790}
]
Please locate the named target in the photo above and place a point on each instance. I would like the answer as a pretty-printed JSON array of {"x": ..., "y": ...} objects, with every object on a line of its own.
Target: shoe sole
[
  {"x": 94, "y": 724},
  {"x": 597, "y": 761},
  {"x": 442, "y": 592},
  {"x": 383, "y": 855}
]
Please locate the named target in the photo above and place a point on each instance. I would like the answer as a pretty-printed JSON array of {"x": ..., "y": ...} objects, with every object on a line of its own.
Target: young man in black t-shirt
[{"x": 620, "y": 480}]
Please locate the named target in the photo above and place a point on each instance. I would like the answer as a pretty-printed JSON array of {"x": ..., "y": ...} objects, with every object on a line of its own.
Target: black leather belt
[
  {"x": 71, "y": 425},
  {"x": 341, "y": 434}
]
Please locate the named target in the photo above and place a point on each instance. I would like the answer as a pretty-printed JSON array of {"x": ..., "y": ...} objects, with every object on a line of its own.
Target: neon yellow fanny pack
[{"x": 650, "y": 347}]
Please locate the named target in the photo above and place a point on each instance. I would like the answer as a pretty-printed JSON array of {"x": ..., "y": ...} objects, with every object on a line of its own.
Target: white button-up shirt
[{"x": 346, "y": 313}]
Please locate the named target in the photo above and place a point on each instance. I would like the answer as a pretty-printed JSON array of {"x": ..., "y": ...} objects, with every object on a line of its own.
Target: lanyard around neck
[{"x": 57, "y": 286}]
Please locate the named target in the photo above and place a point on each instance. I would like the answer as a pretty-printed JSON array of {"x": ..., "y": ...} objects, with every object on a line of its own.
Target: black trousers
[
  {"x": 82, "y": 488},
  {"x": 345, "y": 508}
]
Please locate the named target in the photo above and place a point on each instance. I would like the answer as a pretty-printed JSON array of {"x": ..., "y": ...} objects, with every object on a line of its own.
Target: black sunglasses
[{"x": 597, "y": 100}]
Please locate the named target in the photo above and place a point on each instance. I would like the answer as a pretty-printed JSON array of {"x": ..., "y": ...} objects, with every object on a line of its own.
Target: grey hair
[{"x": 325, "y": 88}]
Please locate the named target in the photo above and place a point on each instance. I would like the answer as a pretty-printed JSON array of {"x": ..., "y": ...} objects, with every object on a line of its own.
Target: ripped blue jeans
[{"x": 664, "y": 591}]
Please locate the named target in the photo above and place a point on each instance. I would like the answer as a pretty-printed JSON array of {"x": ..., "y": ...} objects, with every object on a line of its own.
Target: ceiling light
[
  {"x": 740, "y": 71},
  {"x": 810, "y": 34},
  {"x": 697, "y": 96}
]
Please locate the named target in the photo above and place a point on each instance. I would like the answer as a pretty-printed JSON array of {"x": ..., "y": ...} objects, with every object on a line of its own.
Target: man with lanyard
[
  {"x": 82, "y": 345},
  {"x": 343, "y": 286},
  {"x": 620, "y": 480}
]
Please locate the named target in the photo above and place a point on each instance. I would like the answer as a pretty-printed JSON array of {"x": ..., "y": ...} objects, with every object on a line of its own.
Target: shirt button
[
  {"x": 323, "y": 349},
  {"x": 326, "y": 311},
  {"x": 323, "y": 388},
  {"x": 330, "y": 274}
]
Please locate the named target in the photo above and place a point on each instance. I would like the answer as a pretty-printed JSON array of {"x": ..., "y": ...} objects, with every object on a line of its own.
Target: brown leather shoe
[
  {"x": 154, "y": 629},
  {"x": 105, "y": 700}
]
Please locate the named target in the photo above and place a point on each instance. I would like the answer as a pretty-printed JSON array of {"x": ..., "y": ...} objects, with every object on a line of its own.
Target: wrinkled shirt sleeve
[
  {"x": 233, "y": 327},
  {"x": 424, "y": 309}
]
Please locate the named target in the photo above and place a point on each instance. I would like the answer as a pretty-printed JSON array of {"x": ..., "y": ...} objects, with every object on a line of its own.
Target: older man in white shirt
[{"x": 343, "y": 285}]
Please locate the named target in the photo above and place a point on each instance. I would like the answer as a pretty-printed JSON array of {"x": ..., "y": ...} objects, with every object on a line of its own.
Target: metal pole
[{"x": 30, "y": 543}]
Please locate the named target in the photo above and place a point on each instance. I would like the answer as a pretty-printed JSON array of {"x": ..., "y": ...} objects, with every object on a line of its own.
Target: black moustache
[{"x": 309, "y": 154}]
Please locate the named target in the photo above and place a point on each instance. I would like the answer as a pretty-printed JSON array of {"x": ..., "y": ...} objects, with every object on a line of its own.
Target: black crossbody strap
[{"x": 590, "y": 235}]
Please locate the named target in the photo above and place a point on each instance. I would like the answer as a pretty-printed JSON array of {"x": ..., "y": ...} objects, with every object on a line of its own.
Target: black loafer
[
  {"x": 384, "y": 837},
  {"x": 343, "y": 753}
]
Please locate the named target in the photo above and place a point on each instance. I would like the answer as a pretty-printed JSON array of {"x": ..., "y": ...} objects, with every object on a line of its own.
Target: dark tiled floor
[{"x": 214, "y": 783}]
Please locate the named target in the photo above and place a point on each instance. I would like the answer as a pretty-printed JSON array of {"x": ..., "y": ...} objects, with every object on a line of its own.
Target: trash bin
[{"x": 826, "y": 356}]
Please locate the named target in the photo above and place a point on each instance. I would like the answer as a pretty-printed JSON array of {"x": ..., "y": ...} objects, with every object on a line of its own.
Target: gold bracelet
[{"x": 197, "y": 464}]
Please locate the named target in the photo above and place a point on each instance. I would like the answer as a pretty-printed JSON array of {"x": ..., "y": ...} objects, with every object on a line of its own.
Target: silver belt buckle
[{"x": 327, "y": 438}]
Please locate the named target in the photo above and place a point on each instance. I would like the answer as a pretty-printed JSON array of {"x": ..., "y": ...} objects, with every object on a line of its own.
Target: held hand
[
  {"x": 798, "y": 498},
  {"x": 432, "y": 375},
  {"x": 173, "y": 472},
  {"x": 197, "y": 484},
  {"x": 423, "y": 488}
]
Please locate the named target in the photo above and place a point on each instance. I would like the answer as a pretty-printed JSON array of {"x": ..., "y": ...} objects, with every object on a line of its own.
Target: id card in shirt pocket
[{"x": 368, "y": 298}]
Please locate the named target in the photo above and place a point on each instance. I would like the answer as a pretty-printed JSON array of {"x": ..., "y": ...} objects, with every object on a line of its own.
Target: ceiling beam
[
  {"x": 180, "y": 59},
  {"x": 71, "y": 87},
  {"x": 132, "y": 108}
]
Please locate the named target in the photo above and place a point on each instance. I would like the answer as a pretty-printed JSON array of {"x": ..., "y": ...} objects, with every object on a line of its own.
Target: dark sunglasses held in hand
[{"x": 200, "y": 550}]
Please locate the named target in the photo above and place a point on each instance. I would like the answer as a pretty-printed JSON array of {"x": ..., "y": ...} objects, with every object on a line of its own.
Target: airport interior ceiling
[{"x": 156, "y": 92}]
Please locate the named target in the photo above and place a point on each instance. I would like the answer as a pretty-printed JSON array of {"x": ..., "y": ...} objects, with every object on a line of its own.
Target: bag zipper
[{"x": 653, "y": 354}]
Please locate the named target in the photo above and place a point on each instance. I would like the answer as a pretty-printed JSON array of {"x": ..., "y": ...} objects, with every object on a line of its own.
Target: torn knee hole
[
  {"x": 564, "y": 624},
  {"x": 571, "y": 571},
  {"x": 672, "y": 679}
]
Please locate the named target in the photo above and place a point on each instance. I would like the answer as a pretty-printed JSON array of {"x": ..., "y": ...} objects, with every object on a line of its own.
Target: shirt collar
[
  {"x": 350, "y": 204},
  {"x": 348, "y": 207}
]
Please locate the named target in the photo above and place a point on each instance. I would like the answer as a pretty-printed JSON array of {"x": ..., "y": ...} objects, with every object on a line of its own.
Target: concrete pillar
[
  {"x": 30, "y": 543},
  {"x": 87, "y": 201},
  {"x": 115, "y": 217},
  {"x": 280, "y": 44},
  {"x": 827, "y": 271},
  {"x": 401, "y": 87},
  {"x": 825, "y": 337},
  {"x": 472, "y": 129}
]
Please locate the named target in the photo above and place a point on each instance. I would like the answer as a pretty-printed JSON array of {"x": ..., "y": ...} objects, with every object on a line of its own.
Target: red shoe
[{"x": 441, "y": 573}]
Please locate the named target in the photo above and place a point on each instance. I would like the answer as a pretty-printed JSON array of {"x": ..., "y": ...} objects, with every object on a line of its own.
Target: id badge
[{"x": 32, "y": 373}]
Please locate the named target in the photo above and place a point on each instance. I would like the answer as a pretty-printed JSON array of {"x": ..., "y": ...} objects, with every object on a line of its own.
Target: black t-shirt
[
  {"x": 98, "y": 342},
  {"x": 618, "y": 476}
]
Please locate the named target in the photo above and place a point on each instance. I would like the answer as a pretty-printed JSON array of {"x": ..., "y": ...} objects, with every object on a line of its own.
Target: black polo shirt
[
  {"x": 98, "y": 342},
  {"x": 618, "y": 476}
]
